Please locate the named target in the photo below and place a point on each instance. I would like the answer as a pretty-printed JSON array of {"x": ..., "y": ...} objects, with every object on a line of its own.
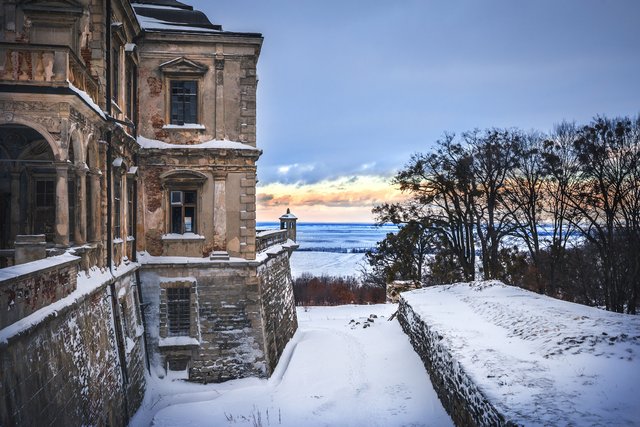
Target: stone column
[
  {"x": 80, "y": 232},
  {"x": 61, "y": 237},
  {"x": 219, "y": 211},
  {"x": 15, "y": 206},
  {"x": 95, "y": 232},
  {"x": 219, "y": 65}
]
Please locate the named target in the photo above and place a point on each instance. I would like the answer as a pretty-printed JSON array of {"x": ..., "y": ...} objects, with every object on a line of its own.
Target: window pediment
[
  {"x": 183, "y": 66},
  {"x": 183, "y": 176},
  {"x": 60, "y": 6}
]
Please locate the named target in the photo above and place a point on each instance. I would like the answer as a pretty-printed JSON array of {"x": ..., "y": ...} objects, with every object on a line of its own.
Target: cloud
[{"x": 350, "y": 191}]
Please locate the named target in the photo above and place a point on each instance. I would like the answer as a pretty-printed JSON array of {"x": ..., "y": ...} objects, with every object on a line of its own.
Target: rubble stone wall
[
  {"x": 225, "y": 338},
  {"x": 65, "y": 369},
  {"x": 278, "y": 305},
  {"x": 459, "y": 395}
]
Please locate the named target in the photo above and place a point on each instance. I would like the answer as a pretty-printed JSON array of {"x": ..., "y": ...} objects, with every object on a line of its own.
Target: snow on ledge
[
  {"x": 178, "y": 342},
  {"x": 87, "y": 282},
  {"x": 85, "y": 96},
  {"x": 185, "y": 236},
  {"x": 539, "y": 360},
  {"x": 185, "y": 126},
  {"x": 34, "y": 266},
  {"x": 147, "y": 143}
]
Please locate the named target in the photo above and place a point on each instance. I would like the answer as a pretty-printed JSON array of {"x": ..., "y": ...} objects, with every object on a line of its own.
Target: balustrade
[{"x": 37, "y": 64}]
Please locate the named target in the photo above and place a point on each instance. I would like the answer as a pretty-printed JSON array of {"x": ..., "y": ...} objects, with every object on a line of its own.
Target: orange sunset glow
[{"x": 345, "y": 199}]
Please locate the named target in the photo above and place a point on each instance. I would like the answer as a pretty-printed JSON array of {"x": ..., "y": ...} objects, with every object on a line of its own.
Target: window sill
[
  {"x": 178, "y": 342},
  {"x": 185, "y": 236},
  {"x": 188, "y": 126}
]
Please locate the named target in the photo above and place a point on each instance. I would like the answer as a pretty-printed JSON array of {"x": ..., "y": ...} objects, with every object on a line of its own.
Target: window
[
  {"x": 45, "y": 209},
  {"x": 184, "y": 102},
  {"x": 117, "y": 194},
  {"x": 183, "y": 211},
  {"x": 115, "y": 67},
  {"x": 130, "y": 207},
  {"x": 178, "y": 311},
  {"x": 130, "y": 95}
]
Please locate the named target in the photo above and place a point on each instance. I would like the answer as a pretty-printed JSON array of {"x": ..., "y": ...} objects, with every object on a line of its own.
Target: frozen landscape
[
  {"x": 333, "y": 249},
  {"x": 539, "y": 360},
  {"x": 344, "y": 367}
]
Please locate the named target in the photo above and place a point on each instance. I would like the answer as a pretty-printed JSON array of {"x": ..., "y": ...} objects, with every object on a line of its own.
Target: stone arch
[
  {"x": 30, "y": 200},
  {"x": 58, "y": 153}
]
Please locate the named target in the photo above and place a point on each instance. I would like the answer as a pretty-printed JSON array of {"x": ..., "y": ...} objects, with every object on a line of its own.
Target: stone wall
[
  {"x": 65, "y": 369},
  {"x": 278, "y": 305},
  {"x": 459, "y": 395},
  {"x": 225, "y": 340},
  {"x": 242, "y": 316},
  {"x": 27, "y": 288}
]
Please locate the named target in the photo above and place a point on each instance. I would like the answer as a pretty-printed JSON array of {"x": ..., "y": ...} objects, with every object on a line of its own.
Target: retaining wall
[{"x": 459, "y": 395}]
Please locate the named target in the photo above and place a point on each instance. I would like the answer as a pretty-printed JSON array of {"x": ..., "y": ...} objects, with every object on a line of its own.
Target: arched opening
[{"x": 29, "y": 182}]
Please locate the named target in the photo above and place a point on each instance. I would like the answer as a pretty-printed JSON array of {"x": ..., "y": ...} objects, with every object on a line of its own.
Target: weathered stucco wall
[
  {"x": 238, "y": 205},
  {"x": 225, "y": 69},
  {"x": 459, "y": 395},
  {"x": 65, "y": 369}
]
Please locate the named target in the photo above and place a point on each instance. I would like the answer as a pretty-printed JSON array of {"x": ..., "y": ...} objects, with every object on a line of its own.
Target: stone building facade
[{"x": 128, "y": 236}]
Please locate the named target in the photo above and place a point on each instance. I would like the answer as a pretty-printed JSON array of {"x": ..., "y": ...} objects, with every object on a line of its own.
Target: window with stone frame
[
  {"x": 117, "y": 196},
  {"x": 184, "y": 206},
  {"x": 131, "y": 107},
  {"x": 178, "y": 311},
  {"x": 184, "y": 102}
]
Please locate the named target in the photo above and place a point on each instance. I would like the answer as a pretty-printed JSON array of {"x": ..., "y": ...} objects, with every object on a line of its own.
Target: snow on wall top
[
  {"x": 212, "y": 144},
  {"x": 539, "y": 360}
]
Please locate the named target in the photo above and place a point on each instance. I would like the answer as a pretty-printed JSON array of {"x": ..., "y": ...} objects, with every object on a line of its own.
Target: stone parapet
[
  {"x": 460, "y": 396},
  {"x": 26, "y": 288}
]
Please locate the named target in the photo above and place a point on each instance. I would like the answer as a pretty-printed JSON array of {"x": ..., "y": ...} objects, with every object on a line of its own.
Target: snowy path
[{"x": 333, "y": 373}]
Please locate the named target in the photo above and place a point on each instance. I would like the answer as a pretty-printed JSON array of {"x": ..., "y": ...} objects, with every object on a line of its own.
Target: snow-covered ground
[
  {"x": 334, "y": 372},
  {"x": 539, "y": 360},
  {"x": 326, "y": 263}
]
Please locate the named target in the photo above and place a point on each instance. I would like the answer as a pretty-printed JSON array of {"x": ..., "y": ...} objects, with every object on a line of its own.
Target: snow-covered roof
[
  {"x": 539, "y": 360},
  {"x": 172, "y": 15},
  {"x": 288, "y": 215}
]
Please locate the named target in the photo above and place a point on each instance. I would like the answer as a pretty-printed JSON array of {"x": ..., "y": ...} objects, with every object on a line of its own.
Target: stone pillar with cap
[{"x": 288, "y": 222}]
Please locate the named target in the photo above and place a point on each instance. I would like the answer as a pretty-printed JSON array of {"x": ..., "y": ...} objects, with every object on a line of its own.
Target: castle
[{"x": 128, "y": 245}]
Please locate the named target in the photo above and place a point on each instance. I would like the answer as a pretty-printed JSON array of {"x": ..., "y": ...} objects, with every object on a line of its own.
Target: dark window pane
[
  {"x": 189, "y": 197},
  {"x": 176, "y": 219},
  {"x": 184, "y": 99}
]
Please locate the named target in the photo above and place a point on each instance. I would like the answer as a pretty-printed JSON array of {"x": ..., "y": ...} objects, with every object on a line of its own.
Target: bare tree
[{"x": 495, "y": 152}]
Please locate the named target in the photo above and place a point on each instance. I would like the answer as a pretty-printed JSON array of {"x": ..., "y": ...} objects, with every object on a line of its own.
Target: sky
[{"x": 348, "y": 90}]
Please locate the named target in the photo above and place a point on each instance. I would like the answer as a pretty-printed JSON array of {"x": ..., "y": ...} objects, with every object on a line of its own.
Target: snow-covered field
[
  {"x": 541, "y": 361},
  {"x": 334, "y": 372},
  {"x": 326, "y": 263}
]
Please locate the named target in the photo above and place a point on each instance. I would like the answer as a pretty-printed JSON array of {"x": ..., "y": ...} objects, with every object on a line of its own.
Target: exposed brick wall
[
  {"x": 65, "y": 370},
  {"x": 278, "y": 305},
  {"x": 459, "y": 395}
]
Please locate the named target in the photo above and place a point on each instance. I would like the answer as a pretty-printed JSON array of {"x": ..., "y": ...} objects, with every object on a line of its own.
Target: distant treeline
[
  {"x": 476, "y": 203},
  {"x": 333, "y": 290}
]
